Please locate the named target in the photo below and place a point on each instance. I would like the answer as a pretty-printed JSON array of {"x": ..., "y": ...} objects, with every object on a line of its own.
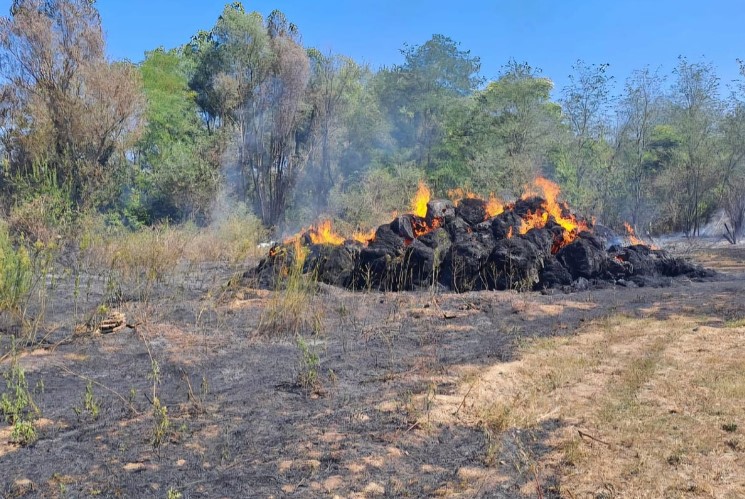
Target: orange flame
[
  {"x": 535, "y": 220},
  {"x": 494, "y": 206},
  {"x": 324, "y": 234},
  {"x": 554, "y": 209},
  {"x": 456, "y": 195},
  {"x": 364, "y": 237},
  {"x": 509, "y": 233},
  {"x": 421, "y": 198},
  {"x": 631, "y": 234},
  {"x": 421, "y": 227}
]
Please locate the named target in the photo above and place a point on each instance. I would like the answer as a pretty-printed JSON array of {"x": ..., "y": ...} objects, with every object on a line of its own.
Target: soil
[{"x": 241, "y": 424}]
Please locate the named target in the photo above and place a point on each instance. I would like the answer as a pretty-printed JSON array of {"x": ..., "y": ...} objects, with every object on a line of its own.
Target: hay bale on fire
[{"x": 534, "y": 243}]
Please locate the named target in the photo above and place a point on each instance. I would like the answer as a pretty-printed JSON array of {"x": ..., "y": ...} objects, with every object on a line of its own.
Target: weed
[
  {"x": 729, "y": 427},
  {"x": 161, "y": 424},
  {"x": 734, "y": 444},
  {"x": 91, "y": 405},
  {"x": 572, "y": 451},
  {"x": 307, "y": 376},
  {"x": 173, "y": 494},
  {"x": 23, "y": 433},
  {"x": 674, "y": 459},
  {"x": 16, "y": 403},
  {"x": 497, "y": 418},
  {"x": 291, "y": 309},
  {"x": 15, "y": 274}
]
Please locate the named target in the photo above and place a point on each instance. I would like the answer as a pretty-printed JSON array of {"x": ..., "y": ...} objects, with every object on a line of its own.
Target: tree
[
  {"x": 732, "y": 196},
  {"x": 418, "y": 94},
  {"x": 664, "y": 157},
  {"x": 519, "y": 125},
  {"x": 639, "y": 111},
  {"x": 179, "y": 159},
  {"x": 695, "y": 112},
  {"x": 334, "y": 81},
  {"x": 66, "y": 107},
  {"x": 588, "y": 166},
  {"x": 253, "y": 76}
]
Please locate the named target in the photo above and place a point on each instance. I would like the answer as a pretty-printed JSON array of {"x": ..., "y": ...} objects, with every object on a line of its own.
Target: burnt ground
[{"x": 240, "y": 423}]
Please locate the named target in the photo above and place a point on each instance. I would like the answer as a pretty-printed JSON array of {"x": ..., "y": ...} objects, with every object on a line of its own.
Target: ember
[{"x": 468, "y": 243}]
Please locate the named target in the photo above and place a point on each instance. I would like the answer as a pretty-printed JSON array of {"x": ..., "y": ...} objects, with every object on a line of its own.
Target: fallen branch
[
  {"x": 463, "y": 402},
  {"x": 583, "y": 434},
  {"x": 730, "y": 235}
]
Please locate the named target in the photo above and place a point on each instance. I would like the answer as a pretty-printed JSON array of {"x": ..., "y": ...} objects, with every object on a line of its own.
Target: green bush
[{"x": 15, "y": 273}]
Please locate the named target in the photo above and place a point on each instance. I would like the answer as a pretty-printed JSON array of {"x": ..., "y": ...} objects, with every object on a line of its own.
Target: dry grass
[
  {"x": 647, "y": 408},
  {"x": 157, "y": 250},
  {"x": 233, "y": 240},
  {"x": 293, "y": 308}
]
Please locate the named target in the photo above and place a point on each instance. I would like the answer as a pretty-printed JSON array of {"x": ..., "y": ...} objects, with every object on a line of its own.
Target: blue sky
[{"x": 549, "y": 34}]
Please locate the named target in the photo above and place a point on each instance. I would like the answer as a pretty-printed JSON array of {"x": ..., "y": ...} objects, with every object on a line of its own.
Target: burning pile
[{"x": 466, "y": 243}]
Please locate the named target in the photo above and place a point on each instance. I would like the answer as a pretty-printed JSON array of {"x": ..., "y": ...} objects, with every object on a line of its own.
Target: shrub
[{"x": 15, "y": 273}]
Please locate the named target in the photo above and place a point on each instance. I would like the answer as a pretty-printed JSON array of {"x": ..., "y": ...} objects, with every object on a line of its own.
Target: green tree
[
  {"x": 418, "y": 94},
  {"x": 335, "y": 80},
  {"x": 179, "y": 159},
  {"x": 588, "y": 166},
  {"x": 664, "y": 159},
  {"x": 519, "y": 125},
  {"x": 639, "y": 111},
  {"x": 252, "y": 76},
  {"x": 732, "y": 187},
  {"x": 696, "y": 111}
]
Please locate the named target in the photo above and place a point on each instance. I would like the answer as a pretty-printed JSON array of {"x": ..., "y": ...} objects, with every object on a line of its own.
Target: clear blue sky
[{"x": 550, "y": 34}]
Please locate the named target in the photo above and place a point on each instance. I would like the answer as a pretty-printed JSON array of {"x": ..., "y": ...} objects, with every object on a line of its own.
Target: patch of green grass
[
  {"x": 735, "y": 323},
  {"x": 161, "y": 424}
]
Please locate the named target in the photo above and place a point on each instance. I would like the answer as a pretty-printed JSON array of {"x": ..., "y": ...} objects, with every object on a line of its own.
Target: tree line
[{"x": 296, "y": 133}]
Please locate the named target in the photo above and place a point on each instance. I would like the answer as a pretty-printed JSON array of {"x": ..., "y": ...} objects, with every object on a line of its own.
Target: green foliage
[
  {"x": 15, "y": 273},
  {"x": 418, "y": 94},
  {"x": 64, "y": 104},
  {"x": 309, "y": 364},
  {"x": 161, "y": 424},
  {"x": 16, "y": 403},
  {"x": 179, "y": 158},
  {"x": 502, "y": 139},
  {"x": 380, "y": 192},
  {"x": 23, "y": 433},
  {"x": 173, "y": 494},
  {"x": 294, "y": 131},
  {"x": 91, "y": 405}
]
